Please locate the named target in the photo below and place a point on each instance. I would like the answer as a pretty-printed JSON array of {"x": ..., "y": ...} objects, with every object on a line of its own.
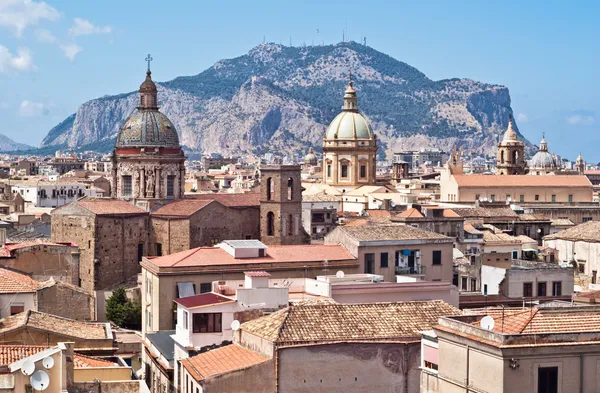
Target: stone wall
[
  {"x": 27, "y": 336},
  {"x": 111, "y": 387},
  {"x": 66, "y": 301},
  {"x": 259, "y": 378}
]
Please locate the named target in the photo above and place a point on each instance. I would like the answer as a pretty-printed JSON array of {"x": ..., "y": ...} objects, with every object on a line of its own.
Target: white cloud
[
  {"x": 21, "y": 61},
  {"x": 43, "y": 35},
  {"x": 71, "y": 50},
  {"x": 85, "y": 27},
  {"x": 32, "y": 109},
  {"x": 581, "y": 120},
  {"x": 522, "y": 117},
  {"x": 19, "y": 14}
]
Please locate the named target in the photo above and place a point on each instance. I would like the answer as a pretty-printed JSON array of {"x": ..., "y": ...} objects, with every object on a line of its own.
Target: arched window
[
  {"x": 290, "y": 189},
  {"x": 515, "y": 157},
  {"x": 502, "y": 157},
  {"x": 270, "y": 224},
  {"x": 142, "y": 100},
  {"x": 290, "y": 225},
  {"x": 270, "y": 189}
]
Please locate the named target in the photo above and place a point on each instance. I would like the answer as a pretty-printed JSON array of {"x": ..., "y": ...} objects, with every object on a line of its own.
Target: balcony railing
[{"x": 406, "y": 271}]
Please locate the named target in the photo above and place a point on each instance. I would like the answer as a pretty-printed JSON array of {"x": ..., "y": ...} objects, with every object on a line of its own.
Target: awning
[
  {"x": 430, "y": 354},
  {"x": 185, "y": 289}
]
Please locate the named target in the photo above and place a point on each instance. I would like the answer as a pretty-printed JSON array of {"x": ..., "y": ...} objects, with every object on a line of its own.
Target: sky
[{"x": 56, "y": 55}]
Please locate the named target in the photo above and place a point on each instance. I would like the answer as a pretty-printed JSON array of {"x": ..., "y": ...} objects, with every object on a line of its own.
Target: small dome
[
  {"x": 310, "y": 158},
  {"x": 510, "y": 135},
  {"x": 543, "y": 160},
  {"x": 148, "y": 128},
  {"x": 349, "y": 125},
  {"x": 148, "y": 85}
]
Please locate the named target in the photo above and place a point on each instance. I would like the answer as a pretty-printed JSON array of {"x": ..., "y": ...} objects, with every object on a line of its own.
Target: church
[{"x": 149, "y": 215}]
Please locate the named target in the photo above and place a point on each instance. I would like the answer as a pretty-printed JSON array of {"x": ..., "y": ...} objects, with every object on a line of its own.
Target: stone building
[
  {"x": 281, "y": 205},
  {"x": 349, "y": 147},
  {"x": 148, "y": 163},
  {"x": 511, "y": 153}
]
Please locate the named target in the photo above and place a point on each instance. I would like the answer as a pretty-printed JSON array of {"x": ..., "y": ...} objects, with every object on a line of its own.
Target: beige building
[
  {"x": 192, "y": 272},
  {"x": 349, "y": 148},
  {"x": 541, "y": 350},
  {"x": 370, "y": 347},
  {"x": 391, "y": 250}
]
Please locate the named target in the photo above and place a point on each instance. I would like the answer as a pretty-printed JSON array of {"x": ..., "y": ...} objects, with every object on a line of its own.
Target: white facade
[
  {"x": 55, "y": 194},
  {"x": 587, "y": 255},
  {"x": 8, "y": 301}
]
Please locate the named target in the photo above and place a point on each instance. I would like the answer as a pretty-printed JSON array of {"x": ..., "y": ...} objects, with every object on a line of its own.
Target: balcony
[{"x": 417, "y": 270}]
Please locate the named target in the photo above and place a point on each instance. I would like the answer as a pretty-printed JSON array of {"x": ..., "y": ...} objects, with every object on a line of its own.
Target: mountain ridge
[{"x": 279, "y": 98}]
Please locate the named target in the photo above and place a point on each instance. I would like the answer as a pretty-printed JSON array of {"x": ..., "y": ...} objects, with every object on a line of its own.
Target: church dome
[
  {"x": 349, "y": 124},
  {"x": 543, "y": 159},
  {"x": 310, "y": 158},
  {"x": 148, "y": 128}
]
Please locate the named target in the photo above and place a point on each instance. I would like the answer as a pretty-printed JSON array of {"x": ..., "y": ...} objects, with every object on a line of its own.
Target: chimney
[{"x": 259, "y": 279}]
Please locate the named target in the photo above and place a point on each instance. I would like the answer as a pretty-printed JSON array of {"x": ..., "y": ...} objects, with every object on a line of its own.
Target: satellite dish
[
  {"x": 48, "y": 362},
  {"x": 28, "y": 367},
  {"x": 39, "y": 380},
  {"x": 393, "y": 204},
  {"x": 487, "y": 323},
  {"x": 235, "y": 325},
  {"x": 340, "y": 274}
]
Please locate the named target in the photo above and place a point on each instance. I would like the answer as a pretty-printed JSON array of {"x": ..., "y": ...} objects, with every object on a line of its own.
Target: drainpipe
[
  {"x": 581, "y": 372},
  {"x": 276, "y": 370},
  {"x": 467, "y": 372},
  {"x": 406, "y": 368}
]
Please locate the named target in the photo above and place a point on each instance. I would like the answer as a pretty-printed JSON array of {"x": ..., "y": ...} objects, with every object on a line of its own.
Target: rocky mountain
[
  {"x": 281, "y": 99},
  {"x": 8, "y": 145}
]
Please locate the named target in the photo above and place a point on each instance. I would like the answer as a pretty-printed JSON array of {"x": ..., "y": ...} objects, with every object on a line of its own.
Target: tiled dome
[{"x": 148, "y": 128}]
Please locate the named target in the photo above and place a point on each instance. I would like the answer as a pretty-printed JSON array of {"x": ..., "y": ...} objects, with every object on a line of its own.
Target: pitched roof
[
  {"x": 379, "y": 213},
  {"x": 390, "y": 232},
  {"x": 102, "y": 207},
  {"x": 349, "y": 322},
  {"x": 320, "y": 197},
  {"x": 587, "y": 232},
  {"x": 249, "y": 199},
  {"x": 13, "y": 282},
  {"x": 410, "y": 213},
  {"x": 216, "y": 256},
  {"x": 12, "y": 353},
  {"x": 522, "y": 181},
  {"x": 52, "y": 323},
  {"x": 204, "y": 299},
  {"x": 221, "y": 361},
  {"x": 182, "y": 207},
  {"x": 491, "y": 237},
  {"x": 562, "y": 222},
  {"x": 486, "y": 212},
  {"x": 82, "y": 361}
]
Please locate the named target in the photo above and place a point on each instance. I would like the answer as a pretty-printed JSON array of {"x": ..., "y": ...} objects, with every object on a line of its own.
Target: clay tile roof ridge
[{"x": 183, "y": 258}]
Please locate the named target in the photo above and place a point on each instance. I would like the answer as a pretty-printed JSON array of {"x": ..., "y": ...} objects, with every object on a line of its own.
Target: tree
[{"x": 122, "y": 311}]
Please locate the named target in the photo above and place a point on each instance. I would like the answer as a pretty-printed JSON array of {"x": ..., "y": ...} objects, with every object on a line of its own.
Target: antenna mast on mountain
[{"x": 290, "y": 40}]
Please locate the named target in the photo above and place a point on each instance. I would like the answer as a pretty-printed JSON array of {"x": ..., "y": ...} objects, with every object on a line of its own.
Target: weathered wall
[
  {"x": 172, "y": 234},
  {"x": 111, "y": 387},
  {"x": 44, "y": 261},
  {"x": 66, "y": 301},
  {"x": 256, "y": 379},
  {"x": 7, "y": 299},
  {"x": 348, "y": 368},
  {"x": 33, "y": 337},
  {"x": 220, "y": 223},
  {"x": 103, "y": 374}
]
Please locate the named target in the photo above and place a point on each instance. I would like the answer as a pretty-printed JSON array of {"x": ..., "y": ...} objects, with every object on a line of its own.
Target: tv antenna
[{"x": 487, "y": 323}]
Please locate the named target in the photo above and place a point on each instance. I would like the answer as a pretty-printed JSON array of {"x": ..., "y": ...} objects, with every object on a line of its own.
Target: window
[
  {"x": 570, "y": 198},
  {"x": 430, "y": 357},
  {"x": 586, "y": 219},
  {"x": 537, "y": 197},
  {"x": 363, "y": 171},
  {"x": 508, "y": 197},
  {"x": 205, "y": 287},
  {"x": 270, "y": 190},
  {"x": 477, "y": 197},
  {"x": 485, "y": 289},
  {"x": 140, "y": 251},
  {"x": 463, "y": 282},
  {"x": 521, "y": 198},
  {"x": 369, "y": 263},
  {"x": 547, "y": 380},
  {"x": 344, "y": 170},
  {"x": 557, "y": 288},
  {"x": 290, "y": 189},
  {"x": 270, "y": 224},
  {"x": 541, "y": 289},
  {"x": 16, "y": 308},
  {"x": 473, "y": 284},
  {"x": 214, "y": 241},
  {"x": 328, "y": 170},
  {"x": 207, "y": 323},
  {"x": 127, "y": 185},
  {"x": 492, "y": 198},
  {"x": 149, "y": 319},
  {"x": 527, "y": 289},
  {"x": 553, "y": 198},
  {"x": 158, "y": 249},
  {"x": 384, "y": 259},
  {"x": 515, "y": 254},
  {"x": 185, "y": 289},
  {"x": 437, "y": 257},
  {"x": 184, "y": 319},
  {"x": 581, "y": 267},
  {"x": 170, "y": 186}
]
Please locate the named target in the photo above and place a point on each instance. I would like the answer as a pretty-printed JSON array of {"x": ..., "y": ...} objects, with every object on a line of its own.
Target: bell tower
[
  {"x": 511, "y": 153},
  {"x": 281, "y": 205}
]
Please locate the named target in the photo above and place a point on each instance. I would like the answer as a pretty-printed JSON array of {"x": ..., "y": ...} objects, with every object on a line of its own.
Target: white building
[{"x": 41, "y": 193}]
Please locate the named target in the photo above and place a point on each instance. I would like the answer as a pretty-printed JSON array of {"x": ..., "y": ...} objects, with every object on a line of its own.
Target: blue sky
[{"x": 56, "y": 55}]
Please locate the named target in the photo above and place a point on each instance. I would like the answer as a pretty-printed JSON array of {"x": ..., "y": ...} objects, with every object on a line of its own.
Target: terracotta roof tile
[
  {"x": 259, "y": 273},
  {"x": 103, "y": 207},
  {"x": 390, "y": 232},
  {"x": 523, "y": 181},
  {"x": 204, "y": 299},
  {"x": 231, "y": 200},
  {"x": 82, "y": 361},
  {"x": 51, "y": 323},
  {"x": 182, "y": 207},
  {"x": 214, "y": 256},
  {"x": 221, "y": 361},
  {"x": 378, "y": 213},
  {"x": 349, "y": 322},
  {"x": 410, "y": 213},
  {"x": 13, "y": 282},
  {"x": 12, "y": 353},
  {"x": 587, "y": 232}
]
